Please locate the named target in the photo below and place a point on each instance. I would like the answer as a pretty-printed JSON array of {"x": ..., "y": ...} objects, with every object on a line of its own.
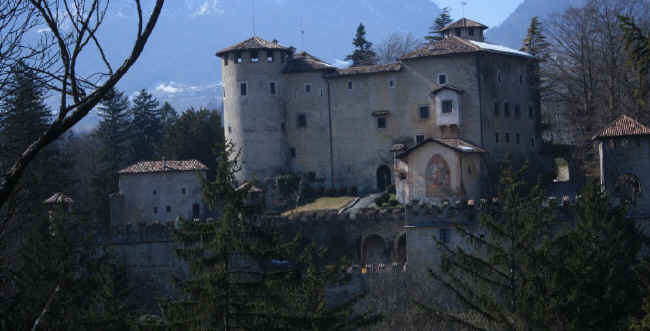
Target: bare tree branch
[{"x": 85, "y": 20}]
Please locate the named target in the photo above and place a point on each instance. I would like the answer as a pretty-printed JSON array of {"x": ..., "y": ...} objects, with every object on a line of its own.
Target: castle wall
[
  {"x": 254, "y": 122},
  {"x": 146, "y": 197},
  {"x": 311, "y": 144},
  {"x": 516, "y": 89}
]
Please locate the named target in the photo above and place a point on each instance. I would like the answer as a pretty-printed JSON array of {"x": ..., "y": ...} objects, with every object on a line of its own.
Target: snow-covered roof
[{"x": 498, "y": 48}]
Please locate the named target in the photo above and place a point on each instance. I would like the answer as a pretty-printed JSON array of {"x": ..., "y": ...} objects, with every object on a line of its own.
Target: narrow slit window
[
  {"x": 225, "y": 59},
  {"x": 272, "y": 88},
  {"x": 496, "y": 108},
  {"x": 243, "y": 89},
  {"x": 506, "y": 109}
]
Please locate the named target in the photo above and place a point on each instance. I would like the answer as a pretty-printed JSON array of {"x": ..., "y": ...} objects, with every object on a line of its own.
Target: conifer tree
[
  {"x": 441, "y": 21},
  {"x": 114, "y": 139},
  {"x": 146, "y": 126},
  {"x": 245, "y": 276},
  {"x": 363, "y": 53},
  {"x": 168, "y": 116},
  {"x": 535, "y": 43}
]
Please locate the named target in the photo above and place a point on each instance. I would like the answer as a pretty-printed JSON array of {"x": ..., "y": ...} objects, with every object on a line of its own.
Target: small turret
[{"x": 464, "y": 28}]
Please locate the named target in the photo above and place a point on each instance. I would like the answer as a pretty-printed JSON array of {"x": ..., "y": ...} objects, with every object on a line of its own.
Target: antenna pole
[
  {"x": 253, "y": 18},
  {"x": 302, "y": 35},
  {"x": 463, "y": 4}
]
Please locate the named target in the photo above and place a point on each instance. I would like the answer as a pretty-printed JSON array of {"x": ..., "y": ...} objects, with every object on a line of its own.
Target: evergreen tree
[
  {"x": 535, "y": 43},
  {"x": 441, "y": 21},
  {"x": 146, "y": 126},
  {"x": 363, "y": 53},
  {"x": 114, "y": 138},
  {"x": 194, "y": 136},
  {"x": 245, "y": 276},
  {"x": 168, "y": 116},
  {"x": 60, "y": 284},
  {"x": 527, "y": 269}
]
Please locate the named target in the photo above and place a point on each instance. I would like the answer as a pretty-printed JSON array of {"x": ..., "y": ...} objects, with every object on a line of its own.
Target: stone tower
[
  {"x": 624, "y": 148},
  {"x": 254, "y": 112}
]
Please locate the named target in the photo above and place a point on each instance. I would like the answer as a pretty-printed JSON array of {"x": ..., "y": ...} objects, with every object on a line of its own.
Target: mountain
[
  {"x": 179, "y": 63},
  {"x": 513, "y": 30}
]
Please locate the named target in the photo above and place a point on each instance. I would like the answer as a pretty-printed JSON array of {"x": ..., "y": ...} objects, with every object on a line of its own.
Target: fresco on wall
[{"x": 437, "y": 177}]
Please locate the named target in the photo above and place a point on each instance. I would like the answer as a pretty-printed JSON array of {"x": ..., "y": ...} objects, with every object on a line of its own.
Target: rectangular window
[
  {"x": 243, "y": 88},
  {"x": 496, "y": 108},
  {"x": 419, "y": 138},
  {"x": 155, "y": 210},
  {"x": 470, "y": 31},
  {"x": 531, "y": 112},
  {"x": 442, "y": 79},
  {"x": 444, "y": 236},
  {"x": 506, "y": 109},
  {"x": 517, "y": 138},
  {"x": 381, "y": 122},
  {"x": 225, "y": 59},
  {"x": 458, "y": 32},
  {"x": 517, "y": 111},
  {"x": 349, "y": 85},
  {"x": 272, "y": 89},
  {"x": 254, "y": 57},
  {"x": 447, "y": 106},
  {"x": 269, "y": 56},
  {"x": 424, "y": 112},
  {"x": 322, "y": 92},
  {"x": 292, "y": 151},
  {"x": 283, "y": 127},
  {"x": 521, "y": 79},
  {"x": 496, "y": 137},
  {"x": 168, "y": 209},
  {"x": 196, "y": 211},
  {"x": 302, "y": 120},
  {"x": 391, "y": 83},
  {"x": 307, "y": 88},
  {"x": 507, "y": 137}
]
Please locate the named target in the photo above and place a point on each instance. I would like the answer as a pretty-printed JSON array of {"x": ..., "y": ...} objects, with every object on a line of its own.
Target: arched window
[
  {"x": 374, "y": 250},
  {"x": 438, "y": 178}
]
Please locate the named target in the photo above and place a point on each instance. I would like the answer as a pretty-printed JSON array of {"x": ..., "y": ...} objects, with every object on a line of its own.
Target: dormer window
[
  {"x": 254, "y": 57},
  {"x": 269, "y": 56},
  {"x": 442, "y": 79}
]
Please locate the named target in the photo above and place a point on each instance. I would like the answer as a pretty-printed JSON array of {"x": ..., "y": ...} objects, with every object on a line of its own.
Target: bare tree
[
  {"x": 73, "y": 26},
  {"x": 395, "y": 46},
  {"x": 588, "y": 70}
]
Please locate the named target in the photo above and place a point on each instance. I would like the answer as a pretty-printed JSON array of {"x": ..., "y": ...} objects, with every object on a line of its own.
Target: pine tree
[
  {"x": 363, "y": 53},
  {"x": 62, "y": 284},
  {"x": 168, "y": 115},
  {"x": 114, "y": 138},
  {"x": 245, "y": 276},
  {"x": 441, "y": 21},
  {"x": 146, "y": 126},
  {"x": 535, "y": 43},
  {"x": 194, "y": 136}
]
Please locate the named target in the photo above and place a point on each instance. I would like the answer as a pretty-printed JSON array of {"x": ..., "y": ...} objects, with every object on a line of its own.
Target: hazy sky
[{"x": 488, "y": 12}]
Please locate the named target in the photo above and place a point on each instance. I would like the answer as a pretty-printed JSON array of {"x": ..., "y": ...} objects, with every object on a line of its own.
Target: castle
[{"x": 436, "y": 123}]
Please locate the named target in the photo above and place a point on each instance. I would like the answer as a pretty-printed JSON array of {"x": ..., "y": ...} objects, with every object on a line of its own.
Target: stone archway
[
  {"x": 383, "y": 177},
  {"x": 438, "y": 177},
  {"x": 374, "y": 250}
]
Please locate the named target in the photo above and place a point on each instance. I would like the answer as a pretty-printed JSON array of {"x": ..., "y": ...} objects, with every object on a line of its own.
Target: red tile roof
[
  {"x": 464, "y": 23},
  {"x": 253, "y": 43},
  {"x": 624, "y": 126},
  {"x": 371, "y": 69},
  {"x": 164, "y": 166},
  {"x": 305, "y": 62}
]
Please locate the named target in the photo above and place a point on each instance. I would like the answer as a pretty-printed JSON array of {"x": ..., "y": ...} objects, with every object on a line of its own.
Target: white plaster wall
[
  {"x": 448, "y": 118},
  {"x": 139, "y": 200}
]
